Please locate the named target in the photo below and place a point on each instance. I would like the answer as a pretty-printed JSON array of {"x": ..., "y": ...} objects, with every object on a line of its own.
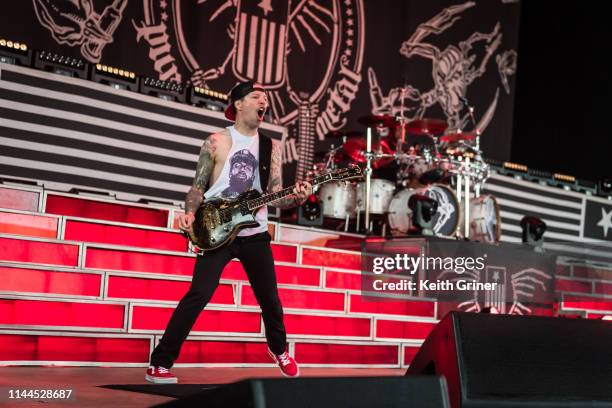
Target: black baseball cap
[{"x": 238, "y": 92}]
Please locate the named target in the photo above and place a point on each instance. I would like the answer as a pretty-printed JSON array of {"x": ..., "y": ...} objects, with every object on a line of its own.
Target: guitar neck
[{"x": 271, "y": 197}]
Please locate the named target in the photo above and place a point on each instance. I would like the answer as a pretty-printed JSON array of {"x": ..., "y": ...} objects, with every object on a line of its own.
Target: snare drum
[
  {"x": 381, "y": 192},
  {"x": 446, "y": 219},
  {"x": 338, "y": 200},
  {"x": 485, "y": 223}
]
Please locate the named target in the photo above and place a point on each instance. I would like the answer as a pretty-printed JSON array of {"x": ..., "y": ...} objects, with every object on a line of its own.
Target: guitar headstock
[{"x": 348, "y": 173}]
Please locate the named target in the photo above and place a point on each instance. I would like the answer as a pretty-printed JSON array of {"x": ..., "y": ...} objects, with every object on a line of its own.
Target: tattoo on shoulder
[{"x": 206, "y": 163}]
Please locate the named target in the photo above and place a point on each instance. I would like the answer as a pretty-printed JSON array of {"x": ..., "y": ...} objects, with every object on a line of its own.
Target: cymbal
[
  {"x": 377, "y": 121},
  {"x": 426, "y": 126},
  {"x": 457, "y": 137},
  {"x": 355, "y": 149}
]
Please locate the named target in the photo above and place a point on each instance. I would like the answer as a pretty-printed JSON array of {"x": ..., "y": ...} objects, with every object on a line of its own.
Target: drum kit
[{"x": 447, "y": 167}]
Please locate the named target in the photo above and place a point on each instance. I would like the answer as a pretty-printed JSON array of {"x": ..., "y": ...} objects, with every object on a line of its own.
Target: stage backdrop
[{"x": 327, "y": 62}]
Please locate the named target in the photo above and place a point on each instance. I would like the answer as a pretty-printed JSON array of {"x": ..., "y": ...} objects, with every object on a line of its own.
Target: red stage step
[
  {"x": 331, "y": 258},
  {"x": 223, "y": 321},
  {"x": 82, "y": 349},
  {"x": 393, "y": 329},
  {"x": 137, "y": 261},
  {"x": 130, "y": 288},
  {"x": 19, "y": 199},
  {"x": 299, "y": 299},
  {"x": 573, "y": 285},
  {"x": 359, "y": 304},
  {"x": 285, "y": 274},
  {"x": 31, "y": 225},
  {"x": 342, "y": 280},
  {"x": 176, "y": 264},
  {"x": 105, "y": 210},
  {"x": 124, "y": 235},
  {"x": 40, "y": 252},
  {"x": 339, "y": 354},
  {"x": 311, "y": 325},
  {"x": 53, "y": 313},
  {"x": 284, "y": 252},
  {"x": 224, "y": 352},
  {"x": 49, "y": 282},
  {"x": 409, "y": 353},
  {"x": 587, "y": 303}
]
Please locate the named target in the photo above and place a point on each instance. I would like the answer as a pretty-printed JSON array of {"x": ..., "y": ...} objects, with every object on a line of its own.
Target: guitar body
[{"x": 218, "y": 220}]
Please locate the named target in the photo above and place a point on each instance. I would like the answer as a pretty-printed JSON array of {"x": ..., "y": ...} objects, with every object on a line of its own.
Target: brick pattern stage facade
[{"x": 92, "y": 281}]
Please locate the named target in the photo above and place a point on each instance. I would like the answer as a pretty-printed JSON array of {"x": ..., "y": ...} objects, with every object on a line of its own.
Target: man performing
[{"x": 231, "y": 162}]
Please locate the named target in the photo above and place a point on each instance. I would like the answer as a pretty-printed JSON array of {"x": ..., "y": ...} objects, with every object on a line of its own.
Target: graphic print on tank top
[{"x": 241, "y": 173}]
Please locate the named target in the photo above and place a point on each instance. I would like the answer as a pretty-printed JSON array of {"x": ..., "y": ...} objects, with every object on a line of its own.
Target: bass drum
[
  {"x": 485, "y": 223},
  {"x": 338, "y": 200},
  {"x": 446, "y": 219},
  {"x": 381, "y": 192}
]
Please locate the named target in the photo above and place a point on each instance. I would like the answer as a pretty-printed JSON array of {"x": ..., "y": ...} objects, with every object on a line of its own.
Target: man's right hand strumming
[{"x": 185, "y": 221}]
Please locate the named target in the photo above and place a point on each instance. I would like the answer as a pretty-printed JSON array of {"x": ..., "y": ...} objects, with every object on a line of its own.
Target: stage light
[
  {"x": 116, "y": 77},
  {"x": 564, "y": 181},
  {"x": 167, "y": 90},
  {"x": 310, "y": 213},
  {"x": 533, "y": 231},
  {"x": 15, "y": 53},
  {"x": 604, "y": 187},
  {"x": 516, "y": 167},
  {"x": 607, "y": 317},
  {"x": 207, "y": 98},
  {"x": 564, "y": 177},
  {"x": 61, "y": 64},
  {"x": 423, "y": 209},
  {"x": 490, "y": 310}
]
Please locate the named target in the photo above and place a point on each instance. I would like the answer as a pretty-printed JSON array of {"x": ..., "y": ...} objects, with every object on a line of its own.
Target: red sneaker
[
  {"x": 286, "y": 363},
  {"x": 160, "y": 375}
]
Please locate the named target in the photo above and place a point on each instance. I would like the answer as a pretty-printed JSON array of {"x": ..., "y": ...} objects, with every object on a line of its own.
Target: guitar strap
[{"x": 265, "y": 157}]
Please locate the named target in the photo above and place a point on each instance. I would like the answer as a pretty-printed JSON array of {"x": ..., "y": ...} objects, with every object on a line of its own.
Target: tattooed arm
[
  {"x": 206, "y": 163},
  {"x": 276, "y": 182}
]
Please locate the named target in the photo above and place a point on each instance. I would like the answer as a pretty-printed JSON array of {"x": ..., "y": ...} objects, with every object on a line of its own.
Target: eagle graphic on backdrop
[
  {"x": 516, "y": 290},
  {"x": 453, "y": 71},
  {"x": 75, "y": 22}
]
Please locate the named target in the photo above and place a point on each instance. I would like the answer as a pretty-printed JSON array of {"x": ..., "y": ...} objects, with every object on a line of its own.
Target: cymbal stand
[
  {"x": 470, "y": 109},
  {"x": 466, "y": 213},
  {"x": 369, "y": 154}
]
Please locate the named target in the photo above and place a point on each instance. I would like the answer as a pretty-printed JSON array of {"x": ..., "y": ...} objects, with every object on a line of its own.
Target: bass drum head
[
  {"x": 338, "y": 200},
  {"x": 446, "y": 219},
  {"x": 399, "y": 215},
  {"x": 485, "y": 222}
]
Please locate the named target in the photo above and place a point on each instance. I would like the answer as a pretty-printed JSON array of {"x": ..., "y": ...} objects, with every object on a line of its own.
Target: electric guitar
[{"x": 218, "y": 220}]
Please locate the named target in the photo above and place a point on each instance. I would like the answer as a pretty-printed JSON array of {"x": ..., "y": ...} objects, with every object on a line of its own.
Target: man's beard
[{"x": 237, "y": 184}]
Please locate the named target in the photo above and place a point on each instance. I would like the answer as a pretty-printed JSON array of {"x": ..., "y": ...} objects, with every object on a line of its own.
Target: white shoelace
[
  {"x": 162, "y": 370},
  {"x": 284, "y": 359}
]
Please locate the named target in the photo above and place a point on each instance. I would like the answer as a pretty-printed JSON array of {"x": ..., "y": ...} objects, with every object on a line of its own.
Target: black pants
[{"x": 255, "y": 254}]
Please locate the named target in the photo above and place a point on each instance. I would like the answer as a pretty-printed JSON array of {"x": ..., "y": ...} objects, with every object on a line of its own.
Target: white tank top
[{"x": 241, "y": 173}]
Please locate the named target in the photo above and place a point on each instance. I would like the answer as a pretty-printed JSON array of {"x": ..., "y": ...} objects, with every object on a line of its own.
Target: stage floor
[{"x": 85, "y": 381}]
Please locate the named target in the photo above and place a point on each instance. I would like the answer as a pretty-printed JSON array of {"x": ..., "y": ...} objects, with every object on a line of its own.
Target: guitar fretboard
[{"x": 268, "y": 198}]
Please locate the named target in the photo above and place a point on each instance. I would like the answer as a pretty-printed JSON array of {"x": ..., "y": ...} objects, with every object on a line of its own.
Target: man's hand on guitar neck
[{"x": 301, "y": 191}]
